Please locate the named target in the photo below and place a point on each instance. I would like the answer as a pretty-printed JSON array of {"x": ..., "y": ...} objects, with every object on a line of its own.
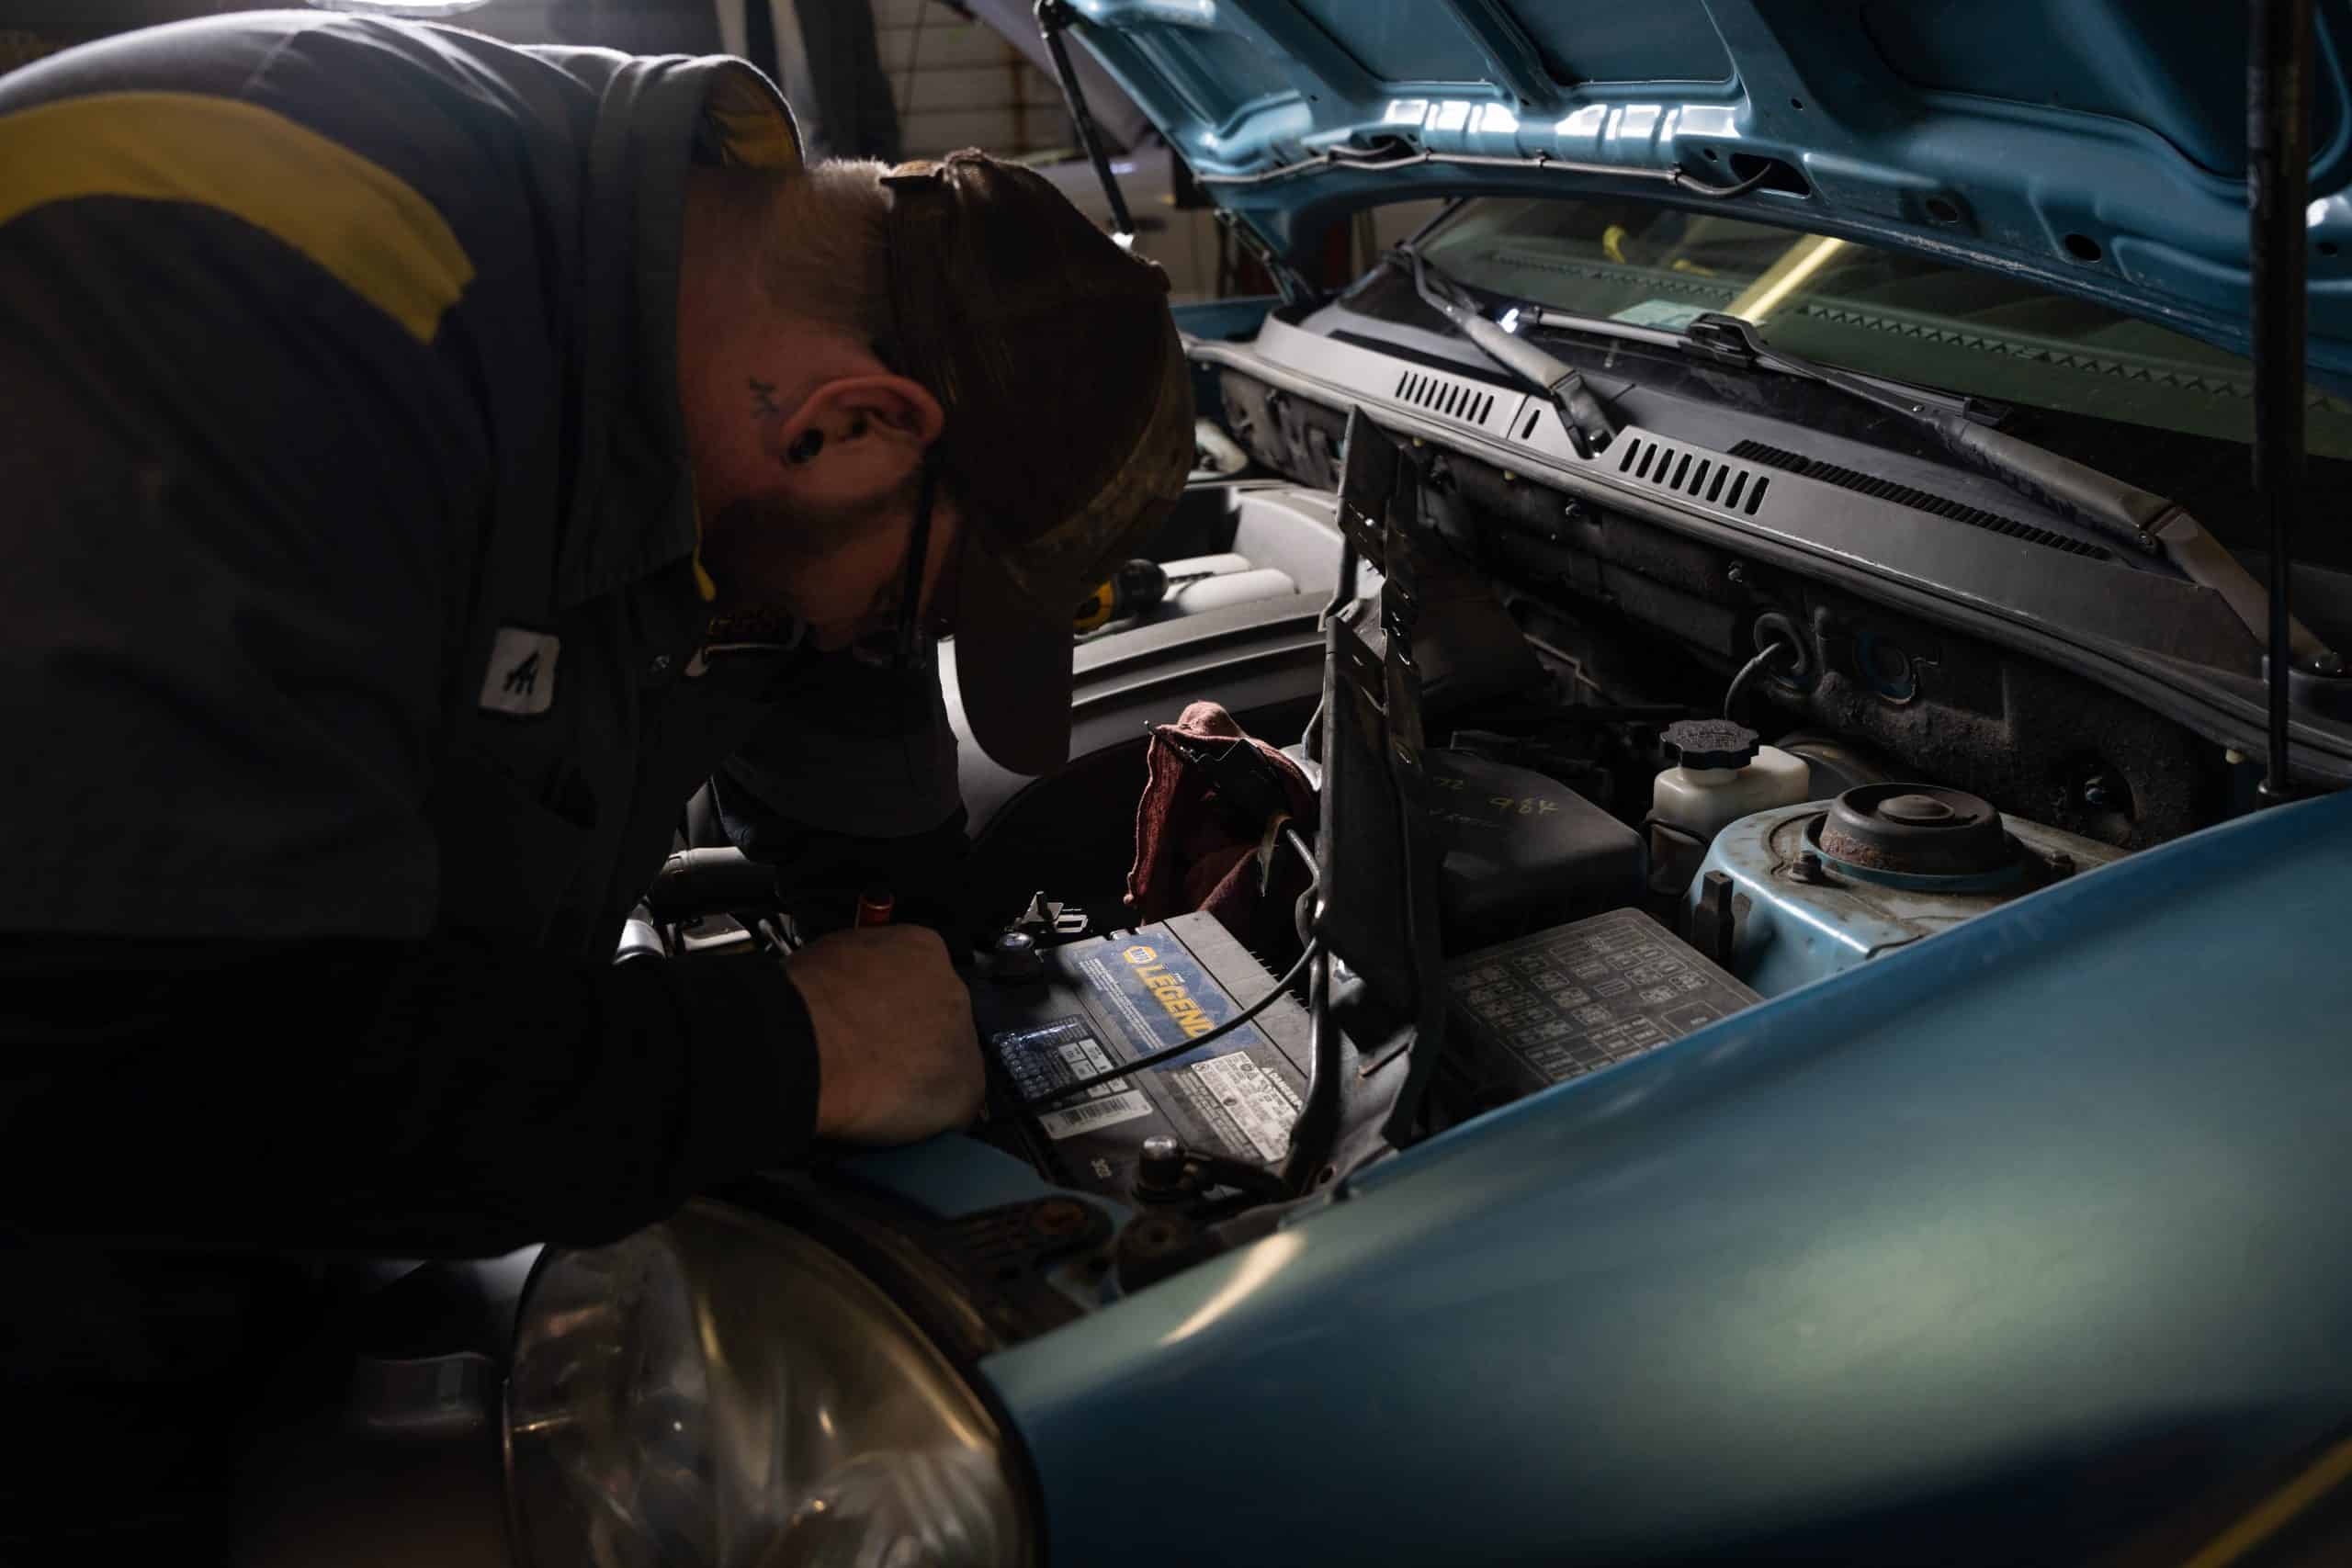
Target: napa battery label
[{"x": 1164, "y": 998}]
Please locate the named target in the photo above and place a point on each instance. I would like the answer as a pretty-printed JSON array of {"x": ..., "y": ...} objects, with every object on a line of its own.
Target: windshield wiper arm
[
  {"x": 2148, "y": 521},
  {"x": 1589, "y": 428}
]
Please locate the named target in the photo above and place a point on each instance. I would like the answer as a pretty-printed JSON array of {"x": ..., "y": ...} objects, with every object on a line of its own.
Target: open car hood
[{"x": 2096, "y": 145}]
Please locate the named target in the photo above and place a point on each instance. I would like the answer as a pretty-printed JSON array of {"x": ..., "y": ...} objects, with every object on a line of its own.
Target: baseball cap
[{"x": 1069, "y": 421}]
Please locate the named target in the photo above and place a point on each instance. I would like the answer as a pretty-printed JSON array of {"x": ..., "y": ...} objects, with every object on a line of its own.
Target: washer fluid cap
[
  {"x": 1710, "y": 742},
  {"x": 1918, "y": 829}
]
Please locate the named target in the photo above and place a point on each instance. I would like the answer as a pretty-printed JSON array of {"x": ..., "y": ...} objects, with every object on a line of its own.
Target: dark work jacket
[{"x": 353, "y": 645}]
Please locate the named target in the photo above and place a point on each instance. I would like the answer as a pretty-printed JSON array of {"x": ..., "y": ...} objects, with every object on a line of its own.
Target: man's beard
[{"x": 757, "y": 549}]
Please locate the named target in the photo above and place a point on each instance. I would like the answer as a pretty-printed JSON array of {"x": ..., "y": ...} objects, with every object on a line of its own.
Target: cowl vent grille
[
  {"x": 1917, "y": 500},
  {"x": 1456, "y": 400},
  {"x": 1701, "y": 476}
]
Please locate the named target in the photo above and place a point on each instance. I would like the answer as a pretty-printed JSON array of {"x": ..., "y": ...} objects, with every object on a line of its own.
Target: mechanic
[{"x": 425, "y": 460}]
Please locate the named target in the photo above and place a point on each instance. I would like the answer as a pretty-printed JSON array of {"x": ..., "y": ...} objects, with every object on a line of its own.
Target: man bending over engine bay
[{"x": 426, "y": 459}]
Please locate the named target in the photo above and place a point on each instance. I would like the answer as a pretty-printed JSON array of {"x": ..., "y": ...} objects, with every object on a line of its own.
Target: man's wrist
[{"x": 753, "y": 1074}]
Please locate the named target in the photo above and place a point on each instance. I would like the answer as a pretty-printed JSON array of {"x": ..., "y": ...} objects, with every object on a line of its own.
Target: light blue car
[{"x": 1814, "y": 1039}]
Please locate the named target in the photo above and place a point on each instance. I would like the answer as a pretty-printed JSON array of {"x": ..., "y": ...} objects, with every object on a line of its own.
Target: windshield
[{"x": 1884, "y": 313}]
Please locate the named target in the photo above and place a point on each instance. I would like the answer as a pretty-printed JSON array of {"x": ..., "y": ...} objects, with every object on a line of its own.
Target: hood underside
[{"x": 2096, "y": 145}]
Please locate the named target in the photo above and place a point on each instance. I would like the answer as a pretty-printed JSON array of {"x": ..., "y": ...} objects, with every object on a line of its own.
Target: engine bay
[
  {"x": 1578, "y": 785},
  {"x": 1615, "y": 856}
]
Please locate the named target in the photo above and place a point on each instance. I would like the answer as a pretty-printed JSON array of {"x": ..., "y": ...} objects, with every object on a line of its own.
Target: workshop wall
[
  {"x": 959, "y": 84},
  {"x": 955, "y": 83}
]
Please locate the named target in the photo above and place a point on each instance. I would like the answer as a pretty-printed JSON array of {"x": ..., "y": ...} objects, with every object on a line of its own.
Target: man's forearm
[{"x": 448, "y": 1097}]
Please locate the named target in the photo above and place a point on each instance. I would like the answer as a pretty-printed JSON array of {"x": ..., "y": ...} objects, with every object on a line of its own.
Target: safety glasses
[{"x": 905, "y": 648}]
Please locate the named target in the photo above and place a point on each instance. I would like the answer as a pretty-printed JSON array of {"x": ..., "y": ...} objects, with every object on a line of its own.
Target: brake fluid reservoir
[{"x": 1721, "y": 776}]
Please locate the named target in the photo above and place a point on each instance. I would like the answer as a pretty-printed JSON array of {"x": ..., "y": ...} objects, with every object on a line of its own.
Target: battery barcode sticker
[
  {"x": 1244, "y": 1099},
  {"x": 1044, "y": 1059},
  {"x": 1089, "y": 1113}
]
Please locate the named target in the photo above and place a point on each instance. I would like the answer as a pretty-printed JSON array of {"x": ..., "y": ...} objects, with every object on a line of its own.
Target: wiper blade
[
  {"x": 1977, "y": 408},
  {"x": 1732, "y": 340},
  {"x": 2150, "y": 523},
  {"x": 1589, "y": 428}
]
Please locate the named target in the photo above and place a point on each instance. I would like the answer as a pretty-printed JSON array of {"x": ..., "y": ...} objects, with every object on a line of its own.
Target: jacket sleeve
[{"x": 437, "y": 1098}]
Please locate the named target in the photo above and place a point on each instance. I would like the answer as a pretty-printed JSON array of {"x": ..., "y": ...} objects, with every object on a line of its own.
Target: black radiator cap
[{"x": 1710, "y": 742}]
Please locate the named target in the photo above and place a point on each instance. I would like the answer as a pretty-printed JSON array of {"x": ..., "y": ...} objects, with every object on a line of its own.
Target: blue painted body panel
[
  {"x": 1991, "y": 130},
  {"x": 952, "y": 1174},
  {"x": 1975, "y": 1245}
]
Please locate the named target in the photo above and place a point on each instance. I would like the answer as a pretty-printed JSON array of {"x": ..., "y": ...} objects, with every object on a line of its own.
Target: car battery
[
  {"x": 1101, "y": 1003},
  {"x": 1577, "y": 998}
]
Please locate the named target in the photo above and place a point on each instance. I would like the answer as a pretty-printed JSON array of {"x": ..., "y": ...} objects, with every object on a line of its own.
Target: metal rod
[
  {"x": 1053, "y": 15},
  {"x": 1318, "y": 1127},
  {"x": 1311, "y": 739},
  {"x": 1013, "y": 60},
  {"x": 2276, "y": 172}
]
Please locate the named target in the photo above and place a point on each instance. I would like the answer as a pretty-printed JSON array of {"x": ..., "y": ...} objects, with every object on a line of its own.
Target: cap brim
[
  {"x": 1013, "y": 664},
  {"x": 1016, "y": 606}
]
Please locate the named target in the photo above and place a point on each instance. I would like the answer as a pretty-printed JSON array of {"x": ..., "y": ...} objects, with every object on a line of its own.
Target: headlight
[{"x": 719, "y": 1391}]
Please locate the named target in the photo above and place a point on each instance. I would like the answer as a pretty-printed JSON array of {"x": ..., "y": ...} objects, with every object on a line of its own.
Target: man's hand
[{"x": 898, "y": 1057}]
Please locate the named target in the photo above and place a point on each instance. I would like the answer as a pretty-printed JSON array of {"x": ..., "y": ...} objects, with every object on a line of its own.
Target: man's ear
[{"x": 857, "y": 434}]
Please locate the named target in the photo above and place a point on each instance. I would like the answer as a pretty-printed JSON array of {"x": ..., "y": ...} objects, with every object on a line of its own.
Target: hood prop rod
[
  {"x": 1053, "y": 17},
  {"x": 2277, "y": 171}
]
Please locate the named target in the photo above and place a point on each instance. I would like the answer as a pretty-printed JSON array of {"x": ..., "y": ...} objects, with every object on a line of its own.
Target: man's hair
[{"x": 824, "y": 252}]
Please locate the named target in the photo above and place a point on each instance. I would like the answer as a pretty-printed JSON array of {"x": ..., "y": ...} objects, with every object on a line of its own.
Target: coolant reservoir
[{"x": 1721, "y": 775}]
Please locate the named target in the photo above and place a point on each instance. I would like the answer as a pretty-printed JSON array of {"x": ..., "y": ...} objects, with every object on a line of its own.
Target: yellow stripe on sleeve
[{"x": 374, "y": 232}]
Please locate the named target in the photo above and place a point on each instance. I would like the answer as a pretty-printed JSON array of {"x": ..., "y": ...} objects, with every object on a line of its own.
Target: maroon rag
[{"x": 1190, "y": 854}]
